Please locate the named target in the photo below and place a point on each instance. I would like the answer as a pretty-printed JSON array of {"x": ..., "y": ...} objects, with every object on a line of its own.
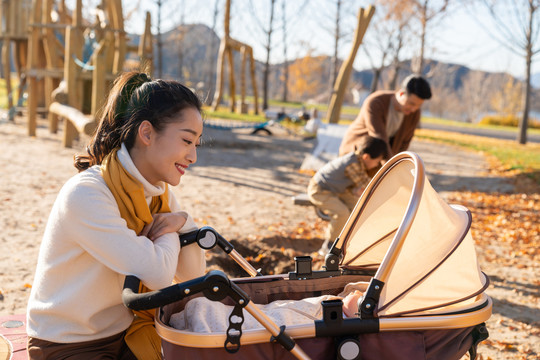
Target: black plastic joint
[
  {"x": 283, "y": 339},
  {"x": 371, "y": 299}
]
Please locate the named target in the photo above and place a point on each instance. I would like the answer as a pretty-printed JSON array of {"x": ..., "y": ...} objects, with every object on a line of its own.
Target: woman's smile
[{"x": 181, "y": 168}]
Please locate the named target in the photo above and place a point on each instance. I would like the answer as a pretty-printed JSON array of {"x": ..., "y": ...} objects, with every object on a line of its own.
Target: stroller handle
[{"x": 215, "y": 285}]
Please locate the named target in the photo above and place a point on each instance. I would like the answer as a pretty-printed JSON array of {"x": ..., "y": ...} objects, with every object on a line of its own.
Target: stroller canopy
[{"x": 421, "y": 246}]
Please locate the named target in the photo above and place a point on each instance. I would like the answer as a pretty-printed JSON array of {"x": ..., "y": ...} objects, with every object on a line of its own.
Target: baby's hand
[
  {"x": 350, "y": 303},
  {"x": 164, "y": 223}
]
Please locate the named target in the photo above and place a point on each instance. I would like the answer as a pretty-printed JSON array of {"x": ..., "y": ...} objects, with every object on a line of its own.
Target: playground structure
[
  {"x": 14, "y": 17},
  {"x": 338, "y": 93},
  {"x": 70, "y": 62},
  {"x": 226, "y": 49}
]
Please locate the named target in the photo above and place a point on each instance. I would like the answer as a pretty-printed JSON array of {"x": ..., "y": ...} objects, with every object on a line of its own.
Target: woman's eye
[{"x": 189, "y": 142}]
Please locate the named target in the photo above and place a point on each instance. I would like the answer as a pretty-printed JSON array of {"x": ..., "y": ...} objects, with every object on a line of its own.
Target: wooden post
[
  {"x": 72, "y": 72},
  {"x": 119, "y": 35},
  {"x": 243, "y": 105},
  {"x": 254, "y": 83},
  {"x": 6, "y": 56},
  {"x": 53, "y": 62},
  {"x": 219, "y": 83},
  {"x": 98, "y": 75},
  {"x": 232, "y": 85},
  {"x": 146, "y": 53},
  {"x": 336, "y": 101},
  {"x": 33, "y": 49}
]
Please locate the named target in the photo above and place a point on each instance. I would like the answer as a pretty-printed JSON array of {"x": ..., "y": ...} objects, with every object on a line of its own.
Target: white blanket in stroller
[{"x": 202, "y": 315}]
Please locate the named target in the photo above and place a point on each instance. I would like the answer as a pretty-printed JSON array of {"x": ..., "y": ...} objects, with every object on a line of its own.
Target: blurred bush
[{"x": 507, "y": 120}]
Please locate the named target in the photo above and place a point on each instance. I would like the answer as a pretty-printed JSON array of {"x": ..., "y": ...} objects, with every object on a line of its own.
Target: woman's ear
[{"x": 145, "y": 132}]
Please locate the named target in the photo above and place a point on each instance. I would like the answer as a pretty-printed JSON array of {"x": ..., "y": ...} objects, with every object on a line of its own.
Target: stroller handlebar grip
[
  {"x": 153, "y": 299},
  {"x": 215, "y": 285}
]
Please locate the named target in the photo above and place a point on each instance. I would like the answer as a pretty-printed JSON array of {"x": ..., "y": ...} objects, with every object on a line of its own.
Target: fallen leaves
[{"x": 510, "y": 220}]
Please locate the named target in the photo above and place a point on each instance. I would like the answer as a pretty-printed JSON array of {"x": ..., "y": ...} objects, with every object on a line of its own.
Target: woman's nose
[{"x": 192, "y": 155}]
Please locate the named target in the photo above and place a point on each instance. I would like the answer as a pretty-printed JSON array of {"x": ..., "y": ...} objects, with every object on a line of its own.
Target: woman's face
[{"x": 169, "y": 153}]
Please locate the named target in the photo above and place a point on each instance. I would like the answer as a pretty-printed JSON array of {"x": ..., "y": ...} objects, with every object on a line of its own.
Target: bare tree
[
  {"x": 159, "y": 40},
  {"x": 518, "y": 25},
  {"x": 180, "y": 42},
  {"x": 268, "y": 47},
  {"x": 210, "y": 71},
  {"x": 337, "y": 35},
  {"x": 425, "y": 13},
  {"x": 474, "y": 95},
  {"x": 285, "y": 64},
  {"x": 385, "y": 42}
]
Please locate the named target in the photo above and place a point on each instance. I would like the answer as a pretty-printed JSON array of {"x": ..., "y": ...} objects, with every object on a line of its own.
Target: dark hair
[
  {"x": 373, "y": 146},
  {"x": 134, "y": 98},
  {"x": 417, "y": 85}
]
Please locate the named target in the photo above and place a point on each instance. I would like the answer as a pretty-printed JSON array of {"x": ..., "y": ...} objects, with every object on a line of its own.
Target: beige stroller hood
[{"x": 421, "y": 246}]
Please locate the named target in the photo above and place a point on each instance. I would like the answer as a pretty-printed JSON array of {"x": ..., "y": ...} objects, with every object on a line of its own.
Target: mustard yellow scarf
[{"x": 141, "y": 336}]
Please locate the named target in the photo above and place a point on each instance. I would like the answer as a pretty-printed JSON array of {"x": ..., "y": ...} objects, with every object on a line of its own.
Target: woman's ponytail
[{"x": 114, "y": 119}]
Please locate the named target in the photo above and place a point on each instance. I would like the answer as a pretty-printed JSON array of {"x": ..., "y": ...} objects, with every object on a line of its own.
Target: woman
[{"x": 117, "y": 218}]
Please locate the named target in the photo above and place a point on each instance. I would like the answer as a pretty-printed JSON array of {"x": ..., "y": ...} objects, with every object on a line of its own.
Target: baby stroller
[{"x": 414, "y": 254}]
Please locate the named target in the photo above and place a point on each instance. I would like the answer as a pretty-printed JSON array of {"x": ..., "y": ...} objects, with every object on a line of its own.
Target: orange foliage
[{"x": 305, "y": 77}]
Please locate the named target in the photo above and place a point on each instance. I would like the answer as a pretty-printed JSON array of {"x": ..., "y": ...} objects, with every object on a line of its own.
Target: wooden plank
[{"x": 82, "y": 123}]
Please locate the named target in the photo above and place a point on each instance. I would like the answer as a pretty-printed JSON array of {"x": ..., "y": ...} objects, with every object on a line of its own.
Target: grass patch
[
  {"x": 514, "y": 158},
  {"x": 511, "y": 129},
  {"x": 3, "y": 91},
  {"x": 224, "y": 113}
]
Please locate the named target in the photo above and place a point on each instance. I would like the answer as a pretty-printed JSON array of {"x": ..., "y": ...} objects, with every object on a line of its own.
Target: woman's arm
[
  {"x": 191, "y": 260},
  {"x": 88, "y": 214}
]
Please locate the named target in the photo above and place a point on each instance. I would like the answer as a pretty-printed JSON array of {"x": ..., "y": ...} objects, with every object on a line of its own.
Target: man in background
[{"x": 391, "y": 116}]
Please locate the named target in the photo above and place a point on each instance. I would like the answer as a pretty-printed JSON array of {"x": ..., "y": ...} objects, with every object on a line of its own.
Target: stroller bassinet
[{"x": 412, "y": 252}]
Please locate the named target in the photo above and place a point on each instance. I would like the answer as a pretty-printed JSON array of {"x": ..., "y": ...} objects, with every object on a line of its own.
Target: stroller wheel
[{"x": 349, "y": 350}]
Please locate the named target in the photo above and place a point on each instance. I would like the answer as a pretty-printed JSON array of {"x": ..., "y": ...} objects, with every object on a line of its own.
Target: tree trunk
[
  {"x": 211, "y": 79},
  {"x": 159, "y": 42},
  {"x": 285, "y": 64},
  {"x": 337, "y": 35},
  {"x": 523, "y": 124},
  {"x": 375, "y": 81},
  {"x": 267, "y": 63}
]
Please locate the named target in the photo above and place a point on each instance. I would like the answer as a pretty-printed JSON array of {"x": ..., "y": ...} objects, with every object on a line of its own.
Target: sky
[{"x": 459, "y": 38}]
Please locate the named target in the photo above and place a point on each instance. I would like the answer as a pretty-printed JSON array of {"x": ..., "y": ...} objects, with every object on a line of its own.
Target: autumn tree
[
  {"x": 516, "y": 26},
  {"x": 305, "y": 76},
  {"x": 507, "y": 100}
]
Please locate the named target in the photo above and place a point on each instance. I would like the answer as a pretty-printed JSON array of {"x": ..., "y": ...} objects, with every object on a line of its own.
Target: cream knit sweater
[{"x": 86, "y": 251}]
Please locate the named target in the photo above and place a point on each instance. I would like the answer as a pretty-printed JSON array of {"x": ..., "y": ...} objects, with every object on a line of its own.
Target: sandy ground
[{"x": 242, "y": 186}]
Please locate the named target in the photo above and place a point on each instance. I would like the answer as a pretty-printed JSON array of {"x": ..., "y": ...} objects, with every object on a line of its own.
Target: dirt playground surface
[{"x": 242, "y": 186}]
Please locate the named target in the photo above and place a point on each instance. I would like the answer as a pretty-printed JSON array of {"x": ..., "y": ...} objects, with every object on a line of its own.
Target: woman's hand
[{"x": 164, "y": 223}]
